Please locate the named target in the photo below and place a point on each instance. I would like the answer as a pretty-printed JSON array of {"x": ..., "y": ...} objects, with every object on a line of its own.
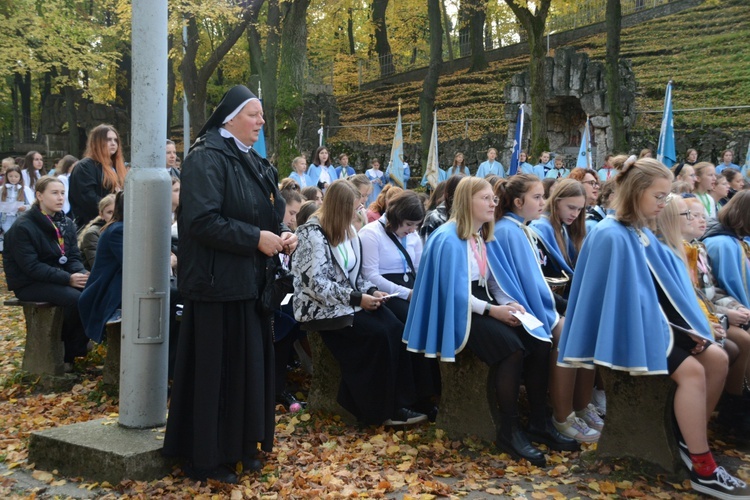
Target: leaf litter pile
[{"x": 315, "y": 456}]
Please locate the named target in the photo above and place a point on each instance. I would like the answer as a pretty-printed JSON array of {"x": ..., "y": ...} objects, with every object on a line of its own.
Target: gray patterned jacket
[{"x": 325, "y": 297}]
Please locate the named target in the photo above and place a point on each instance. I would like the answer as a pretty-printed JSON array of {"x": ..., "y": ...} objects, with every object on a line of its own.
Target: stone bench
[
  {"x": 111, "y": 371},
  {"x": 639, "y": 423},
  {"x": 325, "y": 380},
  {"x": 44, "y": 352}
]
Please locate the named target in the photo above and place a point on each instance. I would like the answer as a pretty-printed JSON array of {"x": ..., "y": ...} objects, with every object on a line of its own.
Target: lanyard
[
  {"x": 706, "y": 201},
  {"x": 481, "y": 256},
  {"x": 60, "y": 240},
  {"x": 403, "y": 259},
  {"x": 344, "y": 255}
]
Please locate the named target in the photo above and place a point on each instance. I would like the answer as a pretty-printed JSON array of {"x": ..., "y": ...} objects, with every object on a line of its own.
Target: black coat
[
  {"x": 226, "y": 199},
  {"x": 31, "y": 253},
  {"x": 86, "y": 190}
]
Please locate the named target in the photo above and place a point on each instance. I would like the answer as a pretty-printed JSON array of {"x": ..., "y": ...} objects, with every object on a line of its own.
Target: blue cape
[
  {"x": 439, "y": 317},
  {"x": 546, "y": 233},
  {"x": 730, "y": 266},
  {"x": 636, "y": 337},
  {"x": 520, "y": 275},
  {"x": 313, "y": 171}
]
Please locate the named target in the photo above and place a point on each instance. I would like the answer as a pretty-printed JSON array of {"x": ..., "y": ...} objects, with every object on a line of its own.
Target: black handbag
[{"x": 279, "y": 283}]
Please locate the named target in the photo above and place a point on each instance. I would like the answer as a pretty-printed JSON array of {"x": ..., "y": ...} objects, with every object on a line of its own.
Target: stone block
[
  {"x": 561, "y": 72},
  {"x": 100, "y": 450},
  {"x": 594, "y": 79},
  {"x": 578, "y": 64},
  {"x": 639, "y": 420},
  {"x": 325, "y": 380},
  {"x": 111, "y": 372},
  {"x": 468, "y": 405},
  {"x": 600, "y": 121},
  {"x": 44, "y": 351}
]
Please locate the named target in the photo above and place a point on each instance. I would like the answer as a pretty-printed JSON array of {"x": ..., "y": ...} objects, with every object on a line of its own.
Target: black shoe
[
  {"x": 552, "y": 438},
  {"x": 405, "y": 416},
  {"x": 720, "y": 484},
  {"x": 517, "y": 445},
  {"x": 221, "y": 474},
  {"x": 287, "y": 399},
  {"x": 251, "y": 464}
]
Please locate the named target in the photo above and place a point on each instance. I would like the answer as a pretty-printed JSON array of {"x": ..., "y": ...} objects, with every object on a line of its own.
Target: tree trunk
[
  {"x": 465, "y": 8},
  {"x": 194, "y": 79},
  {"x": 74, "y": 145},
  {"x": 488, "y": 45},
  {"x": 533, "y": 26},
  {"x": 350, "y": 31},
  {"x": 44, "y": 93},
  {"x": 123, "y": 87},
  {"x": 382, "y": 47},
  {"x": 447, "y": 28},
  {"x": 267, "y": 66},
  {"x": 291, "y": 82},
  {"x": 23, "y": 84},
  {"x": 612, "y": 75},
  {"x": 429, "y": 87},
  {"x": 476, "y": 35}
]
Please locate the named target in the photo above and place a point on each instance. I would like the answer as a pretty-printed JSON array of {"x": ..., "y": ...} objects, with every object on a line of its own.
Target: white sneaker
[
  {"x": 591, "y": 417},
  {"x": 576, "y": 428},
  {"x": 599, "y": 400}
]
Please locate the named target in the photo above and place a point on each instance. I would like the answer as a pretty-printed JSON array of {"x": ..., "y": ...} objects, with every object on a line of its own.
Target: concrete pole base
[{"x": 101, "y": 450}]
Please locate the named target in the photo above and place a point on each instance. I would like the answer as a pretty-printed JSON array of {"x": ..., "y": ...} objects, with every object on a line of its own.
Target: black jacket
[
  {"x": 31, "y": 253},
  {"x": 86, "y": 190},
  {"x": 226, "y": 199}
]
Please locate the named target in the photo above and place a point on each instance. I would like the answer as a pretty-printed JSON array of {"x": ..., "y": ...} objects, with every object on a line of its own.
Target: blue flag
[
  {"x": 665, "y": 152},
  {"x": 584, "y": 153},
  {"x": 396, "y": 163},
  {"x": 260, "y": 144},
  {"x": 517, "y": 143}
]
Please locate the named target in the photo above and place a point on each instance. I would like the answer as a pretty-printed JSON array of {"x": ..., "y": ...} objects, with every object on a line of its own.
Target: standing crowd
[{"x": 547, "y": 276}]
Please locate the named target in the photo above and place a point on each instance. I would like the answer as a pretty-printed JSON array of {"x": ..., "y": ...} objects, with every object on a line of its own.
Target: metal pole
[
  {"x": 145, "y": 287},
  {"x": 185, "y": 112}
]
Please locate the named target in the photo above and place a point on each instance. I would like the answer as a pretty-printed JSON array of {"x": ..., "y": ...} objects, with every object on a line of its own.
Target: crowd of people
[{"x": 547, "y": 276}]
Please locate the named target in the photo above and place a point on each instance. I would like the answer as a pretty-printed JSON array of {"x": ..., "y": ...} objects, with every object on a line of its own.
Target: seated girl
[
  {"x": 42, "y": 262},
  {"x": 521, "y": 201},
  {"x": 561, "y": 231},
  {"x": 659, "y": 328},
  {"x": 89, "y": 235},
  {"x": 333, "y": 298},
  {"x": 678, "y": 225},
  {"x": 467, "y": 308}
]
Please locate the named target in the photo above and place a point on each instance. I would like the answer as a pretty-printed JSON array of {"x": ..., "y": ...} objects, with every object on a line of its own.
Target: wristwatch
[{"x": 487, "y": 307}]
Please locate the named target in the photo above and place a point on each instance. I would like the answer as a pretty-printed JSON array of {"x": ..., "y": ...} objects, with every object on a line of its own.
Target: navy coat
[{"x": 103, "y": 293}]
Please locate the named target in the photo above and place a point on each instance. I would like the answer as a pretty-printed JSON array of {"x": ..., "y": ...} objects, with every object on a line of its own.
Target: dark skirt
[
  {"x": 376, "y": 370},
  {"x": 222, "y": 402},
  {"x": 492, "y": 340}
]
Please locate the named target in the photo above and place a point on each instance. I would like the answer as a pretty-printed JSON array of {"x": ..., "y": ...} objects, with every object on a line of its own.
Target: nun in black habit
[{"x": 230, "y": 226}]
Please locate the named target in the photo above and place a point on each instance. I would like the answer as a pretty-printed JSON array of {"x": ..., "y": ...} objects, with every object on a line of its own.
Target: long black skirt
[
  {"x": 222, "y": 402},
  {"x": 376, "y": 370}
]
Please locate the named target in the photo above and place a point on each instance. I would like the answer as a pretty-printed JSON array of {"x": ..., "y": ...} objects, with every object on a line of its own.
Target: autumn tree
[
  {"x": 224, "y": 25},
  {"x": 477, "y": 18},
  {"x": 533, "y": 23},
  {"x": 612, "y": 74},
  {"x": 429, "y": 87}
]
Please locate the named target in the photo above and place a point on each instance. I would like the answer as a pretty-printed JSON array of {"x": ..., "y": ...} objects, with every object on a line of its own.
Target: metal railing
[
  {"x": 587, "y": 12},
  {"x": 413, "y": 126}
]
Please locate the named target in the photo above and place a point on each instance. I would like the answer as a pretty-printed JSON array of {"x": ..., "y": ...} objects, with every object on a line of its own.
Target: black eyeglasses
[
  {"x": 591, "y": 183},
  {"x": 688, "y": 215}
]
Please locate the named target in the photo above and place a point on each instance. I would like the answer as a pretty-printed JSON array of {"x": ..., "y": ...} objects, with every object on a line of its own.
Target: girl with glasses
[{"x": 658, "y": 328}]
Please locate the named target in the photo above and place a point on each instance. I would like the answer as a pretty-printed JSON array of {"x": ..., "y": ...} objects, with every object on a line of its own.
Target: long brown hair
[
  {"x": 567, "y": 188},
  {"x": 21, "y": 192},
  {"x": 113, "y": 167},
  {"x": 335, "y": 214},
  {"x": 28, "y": 166}
]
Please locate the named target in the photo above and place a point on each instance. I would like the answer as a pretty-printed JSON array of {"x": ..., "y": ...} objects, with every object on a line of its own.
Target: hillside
[{"x": 705, "y": 50}]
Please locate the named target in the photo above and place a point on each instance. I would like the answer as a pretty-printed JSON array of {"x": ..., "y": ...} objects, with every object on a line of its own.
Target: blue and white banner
[
  {"x": 514, "y": 159},
  {"x": 665, "y": 152},
  {"x": 584, "y": 153},
  {"x": 396, "y": 163},
  {"x": 432, "y": 171}
]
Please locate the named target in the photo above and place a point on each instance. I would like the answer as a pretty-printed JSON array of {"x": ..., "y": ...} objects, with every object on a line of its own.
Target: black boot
[{"x": 513, "y": 441}]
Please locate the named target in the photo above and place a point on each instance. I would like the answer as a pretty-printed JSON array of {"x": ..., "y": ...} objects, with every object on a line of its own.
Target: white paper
[
  {"x": 10, "y": 207},
  {"x": 528, "y": 320},
  {"x": 287, "y": 299},
  {"x": 389, "y": 296}
]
